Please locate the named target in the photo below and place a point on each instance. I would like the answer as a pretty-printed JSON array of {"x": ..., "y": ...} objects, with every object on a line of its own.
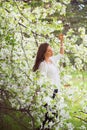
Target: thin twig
[
  {"x": 23, "y": 47},
  {"x": 21, "y": 12},
  {"x": 13, "y": 109},
  {"x": 25, "y": 74},
  {"x": 80, "y": 118},
  {"x": 33, "y": 124},
  {"x": 83, "y": 112},
  {"x": 55, "y": 124}
]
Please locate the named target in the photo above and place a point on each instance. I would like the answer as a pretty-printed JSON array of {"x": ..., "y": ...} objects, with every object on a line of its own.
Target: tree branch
[
  {"x": 55, "y": 124},
  {"x": 18, "y": 121},
  {"x": 23, "y": 47},
  {"x": 33, "y": 124},
  {"x": 80, "y": 118},
  {"x": 21, "y": 110},
  {"x": 21, "y": 12},
  {"x": 25, "y": 74},
  {"x": 83, "y": 112}
]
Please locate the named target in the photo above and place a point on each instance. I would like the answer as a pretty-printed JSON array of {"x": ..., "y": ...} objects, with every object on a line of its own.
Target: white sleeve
[
  {"x": 57, "y": 58},
  {"x": 43, "y": 68}
]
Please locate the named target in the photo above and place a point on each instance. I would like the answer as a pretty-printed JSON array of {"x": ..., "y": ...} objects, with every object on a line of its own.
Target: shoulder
[
  {"x": 43, "y": 67},
  {"x": 42, "y": 64}
]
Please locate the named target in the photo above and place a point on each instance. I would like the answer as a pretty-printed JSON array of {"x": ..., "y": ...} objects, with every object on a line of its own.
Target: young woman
[{"x": 46, "y": 62}]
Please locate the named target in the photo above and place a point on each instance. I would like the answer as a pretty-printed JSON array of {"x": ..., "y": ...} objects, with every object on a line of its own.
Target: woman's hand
[
  {"x": 61, "y": 43},
  {"x": 61, "y": 37}
]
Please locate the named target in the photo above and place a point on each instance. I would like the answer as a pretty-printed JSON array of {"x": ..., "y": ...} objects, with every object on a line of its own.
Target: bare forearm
[{"x": 61, "y": 48}]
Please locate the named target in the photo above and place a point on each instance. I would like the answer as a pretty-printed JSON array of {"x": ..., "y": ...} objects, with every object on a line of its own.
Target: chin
[{"x": 52, "y": 54}]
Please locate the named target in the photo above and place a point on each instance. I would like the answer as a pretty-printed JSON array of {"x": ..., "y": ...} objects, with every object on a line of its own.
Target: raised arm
[{"x": 61, "y": 44}]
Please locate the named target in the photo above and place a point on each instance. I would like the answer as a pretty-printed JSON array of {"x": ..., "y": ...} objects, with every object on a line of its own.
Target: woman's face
[{"x": 49, "y": 52}]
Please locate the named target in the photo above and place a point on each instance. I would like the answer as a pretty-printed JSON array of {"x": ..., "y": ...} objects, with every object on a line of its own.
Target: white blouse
[{"x": 51, "y": 70}]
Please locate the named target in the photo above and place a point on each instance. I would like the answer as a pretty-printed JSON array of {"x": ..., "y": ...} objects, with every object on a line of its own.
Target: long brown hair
[{"x": 40, "y": 55}]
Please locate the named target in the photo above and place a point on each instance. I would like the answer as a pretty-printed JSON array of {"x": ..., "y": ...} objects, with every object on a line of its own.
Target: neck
[{"x": 47, "y": 59}]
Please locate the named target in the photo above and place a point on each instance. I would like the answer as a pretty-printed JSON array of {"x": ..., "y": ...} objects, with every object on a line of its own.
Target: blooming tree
[{"x": 28, "y": 95}]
